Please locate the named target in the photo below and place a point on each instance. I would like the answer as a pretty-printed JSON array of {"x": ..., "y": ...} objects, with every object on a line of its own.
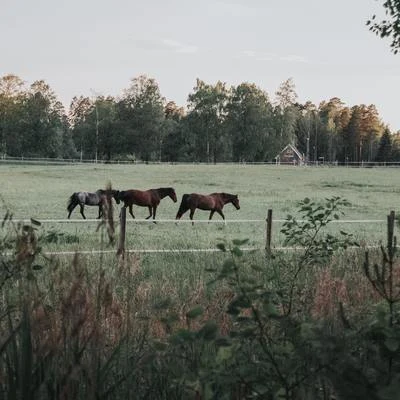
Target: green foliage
[
  {"x": 390, "y": 26},
  {"x": 54, "y": 236},
  {"x": 58, "y": 335},
  {"x": 307, "y": 232},
  {"x": 75, "y": 332},
  {"x": 272, "y": 352},
  {"x": 248, "y": 120},
  {"x": 220, "y": 123},
  {"x": 142, "y": 117},
  {"x": 385, "y": 149},
  {"x": 207, "y": 110}
]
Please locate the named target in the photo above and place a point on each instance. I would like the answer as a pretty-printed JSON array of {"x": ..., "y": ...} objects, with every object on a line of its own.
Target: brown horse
[
  {"x": 148, "y": 198},
  {"x": 213, "y": 202}
]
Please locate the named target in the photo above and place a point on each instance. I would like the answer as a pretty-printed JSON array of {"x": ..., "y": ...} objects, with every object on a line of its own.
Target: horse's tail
[
  {"x": 72, "y": 202},
  {"x": 184, "y": 206}
]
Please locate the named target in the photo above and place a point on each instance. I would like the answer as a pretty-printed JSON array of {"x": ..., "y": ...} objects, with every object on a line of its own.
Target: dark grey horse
[{"x": 90, "y": 199}]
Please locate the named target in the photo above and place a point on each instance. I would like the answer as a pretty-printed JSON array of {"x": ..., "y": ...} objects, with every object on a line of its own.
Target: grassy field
[
  {"x": 122, "y": 300},
  {"x": 41, "y": 192}
]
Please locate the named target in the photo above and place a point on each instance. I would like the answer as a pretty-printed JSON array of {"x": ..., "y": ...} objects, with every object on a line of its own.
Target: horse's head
[
  {"x": 115, "y": 194},
  {"x": 172, "y": 194},
  {"x": 235, "y": 201}
]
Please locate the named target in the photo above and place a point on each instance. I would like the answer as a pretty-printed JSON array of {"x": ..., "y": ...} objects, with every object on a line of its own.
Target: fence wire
[{"x": 213, "y": 221}]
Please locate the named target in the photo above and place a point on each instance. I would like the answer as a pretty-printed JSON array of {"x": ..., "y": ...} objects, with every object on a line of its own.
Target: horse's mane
[
  {"x": 165, "y": 191},
  {"x": 225, "y": 195}
]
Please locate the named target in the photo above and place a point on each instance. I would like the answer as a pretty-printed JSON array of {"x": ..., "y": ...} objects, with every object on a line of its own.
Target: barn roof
[{"x": 290, "y": 146}]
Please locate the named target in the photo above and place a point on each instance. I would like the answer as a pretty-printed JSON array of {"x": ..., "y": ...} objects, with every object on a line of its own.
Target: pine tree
[{"x": 385, "y": 147}]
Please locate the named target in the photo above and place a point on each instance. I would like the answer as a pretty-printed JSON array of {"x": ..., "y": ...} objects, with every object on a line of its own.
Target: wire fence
[
  {"x": 180, "y": 251},
  {"x": 191, "y": 250},
  {"x": 68, "y": 161},
  {"x": 196, "y": 221}
]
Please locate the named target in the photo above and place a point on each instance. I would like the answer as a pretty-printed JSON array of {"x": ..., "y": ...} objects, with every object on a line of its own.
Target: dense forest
[{"x": 219, "y": 123}]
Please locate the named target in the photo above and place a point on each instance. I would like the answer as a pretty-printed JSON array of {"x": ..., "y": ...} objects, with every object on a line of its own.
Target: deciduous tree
[
  {"x": 207, "y": 109},
  {"x": 390, "y": 26},
  {"x": 141, "y": 110},
  {"x": 248, "y": 123},
  {"x": 286, "y": 113}
]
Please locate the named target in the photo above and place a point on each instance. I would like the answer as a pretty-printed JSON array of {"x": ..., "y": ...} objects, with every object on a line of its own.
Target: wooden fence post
[
  {"x": 268, "y": 231},
  {"x": 122, "y": 231},
  {"x": 391, "y": 238}
]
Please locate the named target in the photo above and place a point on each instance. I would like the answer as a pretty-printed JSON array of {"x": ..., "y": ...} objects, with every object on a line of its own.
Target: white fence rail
[
  {"x": 178, "y": 251},
  {"x": 215, "y": 221},
  {"x": 62, "y": 161}
]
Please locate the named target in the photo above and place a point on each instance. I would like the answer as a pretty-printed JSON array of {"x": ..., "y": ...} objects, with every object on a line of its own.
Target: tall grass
[{"x": 100, "y": 327}]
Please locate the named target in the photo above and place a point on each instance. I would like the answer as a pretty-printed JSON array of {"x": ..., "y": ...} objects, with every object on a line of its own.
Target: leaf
[
  {"x": 240, "y": 242},
  {"x": 160, "y": 346},
  {"x": 272, "y": 310},
  {"x": 392, "y": 344},
  {"x": 223, "y": 354},
  {"x": 163, "y": 304},
  {"x": 208, "y": 331},
  {"x": 221, "y": 246},
  {"x": 227, "y": 267},
  {"x": 194, "y": 312},
  {"x": 256, "y": 267},
  {"x": 36, "y": 222},
  {"x": 223, "y": 342},
  {"x": 237, "y": 251},
  {"x": 238, "y": 303},
  {"x": 182, "y": 336}
]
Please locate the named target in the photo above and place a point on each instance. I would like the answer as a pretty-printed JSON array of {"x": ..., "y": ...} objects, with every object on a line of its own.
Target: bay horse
[
  {"x": 90, "y": 199},
  {"x": 146, "y": 198},
  {"x": 214, "y": 202}
]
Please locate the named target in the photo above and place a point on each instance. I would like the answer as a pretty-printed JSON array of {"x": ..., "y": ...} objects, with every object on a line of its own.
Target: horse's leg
[
  {"x": 72, "y": 209},
  {"x": 154, "y": 214},
  {"x": 82, "y": 208},
  {"x": 130, "y": 211},
  {"x": 221, "y": 214},
  {"x": 192, "y": 210},
  {"x": 211, "y": 215},
  {"x": 100, "y": 211},
  {"x": 179, "y": 214},
  {"x": 181, "y": 211},
  {"x": 151, "y": 213}
]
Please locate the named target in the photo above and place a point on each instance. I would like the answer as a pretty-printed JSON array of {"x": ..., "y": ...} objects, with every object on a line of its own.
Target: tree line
[{"x": 219, "y": 123}]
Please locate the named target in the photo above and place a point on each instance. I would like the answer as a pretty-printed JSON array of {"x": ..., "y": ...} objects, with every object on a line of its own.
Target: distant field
[{"x": 41, "y": 192}]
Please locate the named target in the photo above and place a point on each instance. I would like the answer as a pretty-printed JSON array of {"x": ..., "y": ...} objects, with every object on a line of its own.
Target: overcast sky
[{"x": 81, "y": 47}]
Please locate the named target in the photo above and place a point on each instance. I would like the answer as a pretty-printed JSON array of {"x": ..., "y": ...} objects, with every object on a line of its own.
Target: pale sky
[{"x": 84, "y": 47}]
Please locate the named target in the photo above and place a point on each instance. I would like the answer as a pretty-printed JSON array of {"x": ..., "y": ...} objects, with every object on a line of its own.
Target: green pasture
[
  {"x": 135, "y": 303},
  {"x": 42, "y": 191}
]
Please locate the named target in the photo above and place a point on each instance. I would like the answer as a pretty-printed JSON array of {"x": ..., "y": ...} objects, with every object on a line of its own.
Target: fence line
[
  {"x": 215, "y": 221},
  {"x": 77, "y": 161},
  {"x": 122, "y": 251},
  {"x": 179, "y": 251}
]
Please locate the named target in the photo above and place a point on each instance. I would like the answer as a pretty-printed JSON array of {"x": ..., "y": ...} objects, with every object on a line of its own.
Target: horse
[
  {"x": 90, "y": 199},
  {"x": 214, "y": 202},
  {"x": 146, "y": 198}
]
